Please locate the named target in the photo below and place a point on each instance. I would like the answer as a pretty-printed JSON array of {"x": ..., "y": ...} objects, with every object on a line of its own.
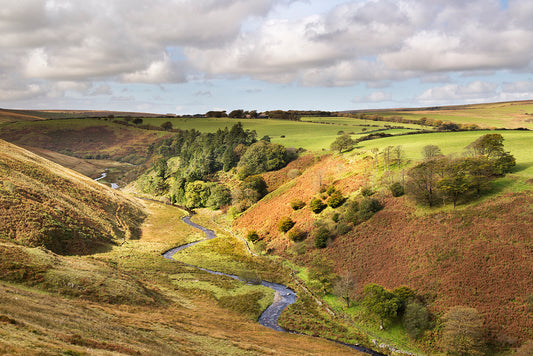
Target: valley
[{"x": 81, "y": 264}]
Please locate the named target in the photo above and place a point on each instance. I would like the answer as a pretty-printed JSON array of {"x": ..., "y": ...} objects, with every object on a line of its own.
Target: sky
[{"x": 192, "y": 56}]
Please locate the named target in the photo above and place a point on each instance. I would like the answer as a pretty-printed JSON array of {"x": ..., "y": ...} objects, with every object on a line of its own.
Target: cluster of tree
[
  {"x": 188, "y": 163},
  {"x": 462, "y": 327},
  {"x": 263, "y": 156},
  {"x": 235, "y": 114},
  {"x": 295, "y": 115},
  {"x": 347, "y": 214},
  {"x": 443, "y": 178},
  {"x": 423, "y": 121},
  {"x": 249, "y": 192},
  {"x": 401, "y": 303}
]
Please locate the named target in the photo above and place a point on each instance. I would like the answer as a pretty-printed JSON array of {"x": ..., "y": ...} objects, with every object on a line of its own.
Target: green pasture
[
  {"x": 508, "y": 115},
  {"x": 312, "y": 136},
  {"x": 369, "y": 124},
  {"x": 519, "y": 143}
]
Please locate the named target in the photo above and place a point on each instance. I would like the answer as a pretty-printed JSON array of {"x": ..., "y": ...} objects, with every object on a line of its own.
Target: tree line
[{"x": 187, "y": 165}]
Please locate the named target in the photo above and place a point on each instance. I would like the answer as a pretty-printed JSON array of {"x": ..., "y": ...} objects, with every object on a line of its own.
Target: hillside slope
[
  {"x": 479, "y": 255},
  {"x": 45, "y": 204},
  {"x": 84, "y": 138}
]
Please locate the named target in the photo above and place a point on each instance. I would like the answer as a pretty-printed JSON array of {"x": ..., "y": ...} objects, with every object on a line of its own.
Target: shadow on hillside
[{"x": 522, "y": 166}]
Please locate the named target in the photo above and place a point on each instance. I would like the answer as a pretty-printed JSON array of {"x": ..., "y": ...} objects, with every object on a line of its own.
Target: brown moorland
[
  {"x": 45, "y": 204},
  {"x": 83, "y": 137},
  {"x": 478, "y": 255}
]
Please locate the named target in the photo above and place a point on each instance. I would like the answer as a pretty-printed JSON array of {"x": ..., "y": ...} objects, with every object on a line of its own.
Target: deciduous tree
[
  {"x": 345, "y": 287},
  {"x": 343, "y": 143},
  {"x": 380, "y": 302},
  {"x": 416, "y": 319},
  {"x": 431, "y": 151},
  {"x": 463, "y": 331}
]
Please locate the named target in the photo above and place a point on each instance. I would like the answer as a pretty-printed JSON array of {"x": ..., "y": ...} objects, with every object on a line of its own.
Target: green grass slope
[{"x": 44, "y": 204}]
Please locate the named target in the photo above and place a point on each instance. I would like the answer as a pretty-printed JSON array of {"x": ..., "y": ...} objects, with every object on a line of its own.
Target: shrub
[
  {"x": 396, "y": 189},
  {"x": 343, "y": 228},
  {"x": 336, "y": 199},
  {"x": 297, "y": 204},
  {"x": 367, "y": 191},
  {"x": 367, "y": 208},
  {"x": 293, "y": 173},
  {"x": 336, "y": 217},
  {"x": 297, "y": 235},
  {"x": 166, "y": 125},
  {"x": 331, "y": 189},
  {"x": 351, "y": 210},
  {"x": 252, "y": 236},
  {"x": 416, "y": 319},
  {"x": 316, "y": 205},
  {"x": 299, "y": 248},
  {"x": 321, "y": 236},
  {"x": 285, "y": 224}
]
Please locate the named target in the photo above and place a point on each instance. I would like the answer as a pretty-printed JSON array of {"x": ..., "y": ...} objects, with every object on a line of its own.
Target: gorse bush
[
  {"x": 336, "y": 199},
  {"x": 296, "y": 235},
  {"x": 316, "y": 205},
  {"x": 396, "y": 189},
  {"x": 252, "y": 236},
  {"x": 285, "y": 224},
  {"x": 367, "y": 191},
  {"x": 367, "y": 208},
  {"x": 321, "y": 236},
  {"x": 297, "y": 204}
]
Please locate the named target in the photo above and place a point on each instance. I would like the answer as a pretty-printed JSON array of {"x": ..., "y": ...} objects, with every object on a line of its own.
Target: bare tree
[
  {"x": 399, "y": 155},
  {"x": 430, "y": 152},
  {"x": 346, "y": 287}
]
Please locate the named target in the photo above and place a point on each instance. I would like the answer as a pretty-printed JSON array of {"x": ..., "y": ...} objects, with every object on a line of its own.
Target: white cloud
[
  {"x": 159, "y": 71},
  {"x": 103, "y": 89},
  {"x": 47, "y": 43},
  {"x": 473, "y": 91},
  {"x": 518, "y": 87},
  {"x": 374, "y": 97}
]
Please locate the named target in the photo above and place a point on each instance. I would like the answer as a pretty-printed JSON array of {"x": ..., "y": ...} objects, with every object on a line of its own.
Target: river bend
[{"x": 283, "y": 298}]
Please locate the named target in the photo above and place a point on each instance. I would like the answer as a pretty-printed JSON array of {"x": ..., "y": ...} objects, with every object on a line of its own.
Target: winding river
[{"x": 284, "y": 296}]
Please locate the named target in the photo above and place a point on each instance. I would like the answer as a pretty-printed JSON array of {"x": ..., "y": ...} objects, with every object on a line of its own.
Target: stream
[
  {"x": 104, "y": 174},
  {"x": 284, "y": 296}
]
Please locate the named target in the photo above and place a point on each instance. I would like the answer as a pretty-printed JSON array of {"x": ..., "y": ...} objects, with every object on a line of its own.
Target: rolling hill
[
  {"x": 45, "y": 204},
  {"x": 80, "y": 275},
  {"x": 477, "y": 255}
]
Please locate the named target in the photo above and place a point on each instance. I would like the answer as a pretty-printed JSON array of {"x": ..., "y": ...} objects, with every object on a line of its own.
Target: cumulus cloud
[
  {"x": 374, "y": 97},
  {"x": 472, "y": 91},
  {"x": 64, "y": 40},
  {"x": 378, "y": 40},
  {"x": 48, "y": 42},
  {"x": 158, "y": 71}
]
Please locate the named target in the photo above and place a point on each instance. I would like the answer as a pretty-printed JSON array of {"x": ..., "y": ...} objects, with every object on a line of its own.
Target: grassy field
[
  {"x": 502, "y": 115},
  {"x": 516, "y": 142},
  {"x": 309, "y": 134}
]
